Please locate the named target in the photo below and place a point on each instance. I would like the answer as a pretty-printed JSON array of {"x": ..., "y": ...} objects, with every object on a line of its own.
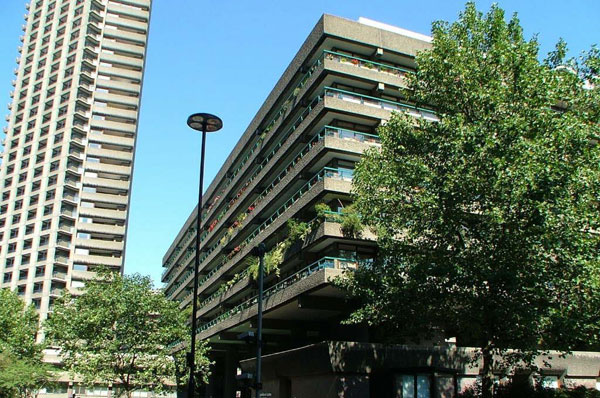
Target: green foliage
[
  {"x": 488, "y": 219},
  {"x": 321, "y": 209},
  {"x": 22, "y": 377},
  {"x": 119, "y": 331},
  {"x": 527, "y": 391},
  {"x": 297, "y": 231},
  {"x": 22, "y": 371},
  {"x": 18, "y": 326},
  {"x": 351, "y": 222},
  {"x": 274, "y": 258}
]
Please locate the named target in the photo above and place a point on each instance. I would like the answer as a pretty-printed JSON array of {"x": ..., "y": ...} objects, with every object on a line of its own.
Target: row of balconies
[
  {"x": 325, "y": 180},
  {"x": 331, "y": 97},
  {"x": 336, "y": 138},
  {"x": 326, "y": 57},
  {"x": 327, "y": 60}
]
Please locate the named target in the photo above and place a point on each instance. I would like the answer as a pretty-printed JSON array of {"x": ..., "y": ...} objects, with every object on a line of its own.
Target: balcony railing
[
  {"x": 285, "y": 105},
  {"x": 327, "y": 172},
  {"x": 367, "y": 64},
  {"x": 325, "y": 262},
  {"x": 326, "y": 131},
  {"x": 261, "y": 166},
  {"x": 380, "y": 103},
  {"x": 331, "y": 131}
]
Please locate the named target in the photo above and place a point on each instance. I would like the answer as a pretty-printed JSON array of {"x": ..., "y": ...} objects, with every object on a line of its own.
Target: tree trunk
[{"x": 487, "y": 374}]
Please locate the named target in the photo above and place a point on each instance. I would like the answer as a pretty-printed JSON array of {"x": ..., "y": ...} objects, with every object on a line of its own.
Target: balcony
[
  {"x": 110, "y": 154},
  {"x": 101, "y": 228},
  {"x": 99, "y": 244},
  {"x": 328, "y": 178},
  {"x": 135, "y": 12},
  {"x": 127, "y": 23},
  {"x": 121, "y": 59},
  {"x": 104, "y": 197},
  {"x": 122, "y": 99},
  {"x": 308, "y": 278},
  {"x": 108, "y": 168},
  {"x": 103, "y": 213},
  {"x": 110, "y": 125},
  {"x": 98, "y": 260},
  {"x": 61, "y": 276}
]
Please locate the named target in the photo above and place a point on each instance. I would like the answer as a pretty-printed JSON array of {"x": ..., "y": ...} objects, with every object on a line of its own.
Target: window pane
[
  {"x": 408, "y": 386},
  {"x": 423, "y": 387}
]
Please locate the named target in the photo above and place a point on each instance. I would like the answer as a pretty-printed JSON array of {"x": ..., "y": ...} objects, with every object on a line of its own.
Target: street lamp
[
  {"x": 259, "y": 251},
  {"x": 206, "y": 123}
]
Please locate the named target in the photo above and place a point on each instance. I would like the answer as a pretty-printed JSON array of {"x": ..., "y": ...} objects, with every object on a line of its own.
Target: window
[
  {"x": 413, "y": 386},
  {"x": 14, "y": 233},
  {"x": 16, "y": 218},
  {"x": 29, "y": 229},
  {"x": 46, "y": 225},
  {"x": 11, "y": 248},
  {"x": 27, "y": 244},
  {"x": 40, "y": 271},
  {"x": 48, "y": 209},
  {"x": 50, "y": 194},
  {"x": 44, "y": 241},
  {"x": 33, "y": 200},
  {"x": 7, "y": 277},
  {"x": 42, "y": 255},
  {"x": 18, "y": 204}
]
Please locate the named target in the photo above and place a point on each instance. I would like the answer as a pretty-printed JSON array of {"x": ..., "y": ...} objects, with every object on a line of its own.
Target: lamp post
[
  {"x": 259, "y": 251},
  {"x": 206, "y": 123}
]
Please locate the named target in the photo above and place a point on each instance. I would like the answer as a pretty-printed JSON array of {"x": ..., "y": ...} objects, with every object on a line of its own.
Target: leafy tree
[
  {"x": 22, "y": 372},
  {"x": 22, "y": 377},
  {"x": 488, "y": 219},
  {"x": 121, "y": 331}
]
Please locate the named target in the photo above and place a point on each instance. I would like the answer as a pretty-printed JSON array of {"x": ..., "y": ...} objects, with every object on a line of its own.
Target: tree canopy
[
  {"x": 21, "y": 369},
  {"x": 488, "y": 219},
  {"x": 121, "y": 331}
]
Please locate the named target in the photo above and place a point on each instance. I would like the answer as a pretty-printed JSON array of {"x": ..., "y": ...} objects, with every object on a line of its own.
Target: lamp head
[{"x": 205, "y": 122}]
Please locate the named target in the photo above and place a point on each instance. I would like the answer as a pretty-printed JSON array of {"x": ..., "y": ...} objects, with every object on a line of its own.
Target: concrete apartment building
[
  {"x": 69, "y": 147},
  {"x": 300, "y": 150}
]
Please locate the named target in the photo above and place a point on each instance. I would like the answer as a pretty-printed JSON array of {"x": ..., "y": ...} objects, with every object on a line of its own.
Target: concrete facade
[
  {"x": 298, "y": 151},
  {"x": 70, "y": 141}
]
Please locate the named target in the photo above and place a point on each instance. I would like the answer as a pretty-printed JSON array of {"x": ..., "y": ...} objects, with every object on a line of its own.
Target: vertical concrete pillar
[{"x": 230, "y": 370}]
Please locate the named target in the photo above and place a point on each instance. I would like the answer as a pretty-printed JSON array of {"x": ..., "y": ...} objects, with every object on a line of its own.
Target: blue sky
[{"x": 224, "y": 57}]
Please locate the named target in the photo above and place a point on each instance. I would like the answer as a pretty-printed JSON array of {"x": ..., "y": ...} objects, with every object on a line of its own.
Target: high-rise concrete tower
[{"x": 65, "y": 177}]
